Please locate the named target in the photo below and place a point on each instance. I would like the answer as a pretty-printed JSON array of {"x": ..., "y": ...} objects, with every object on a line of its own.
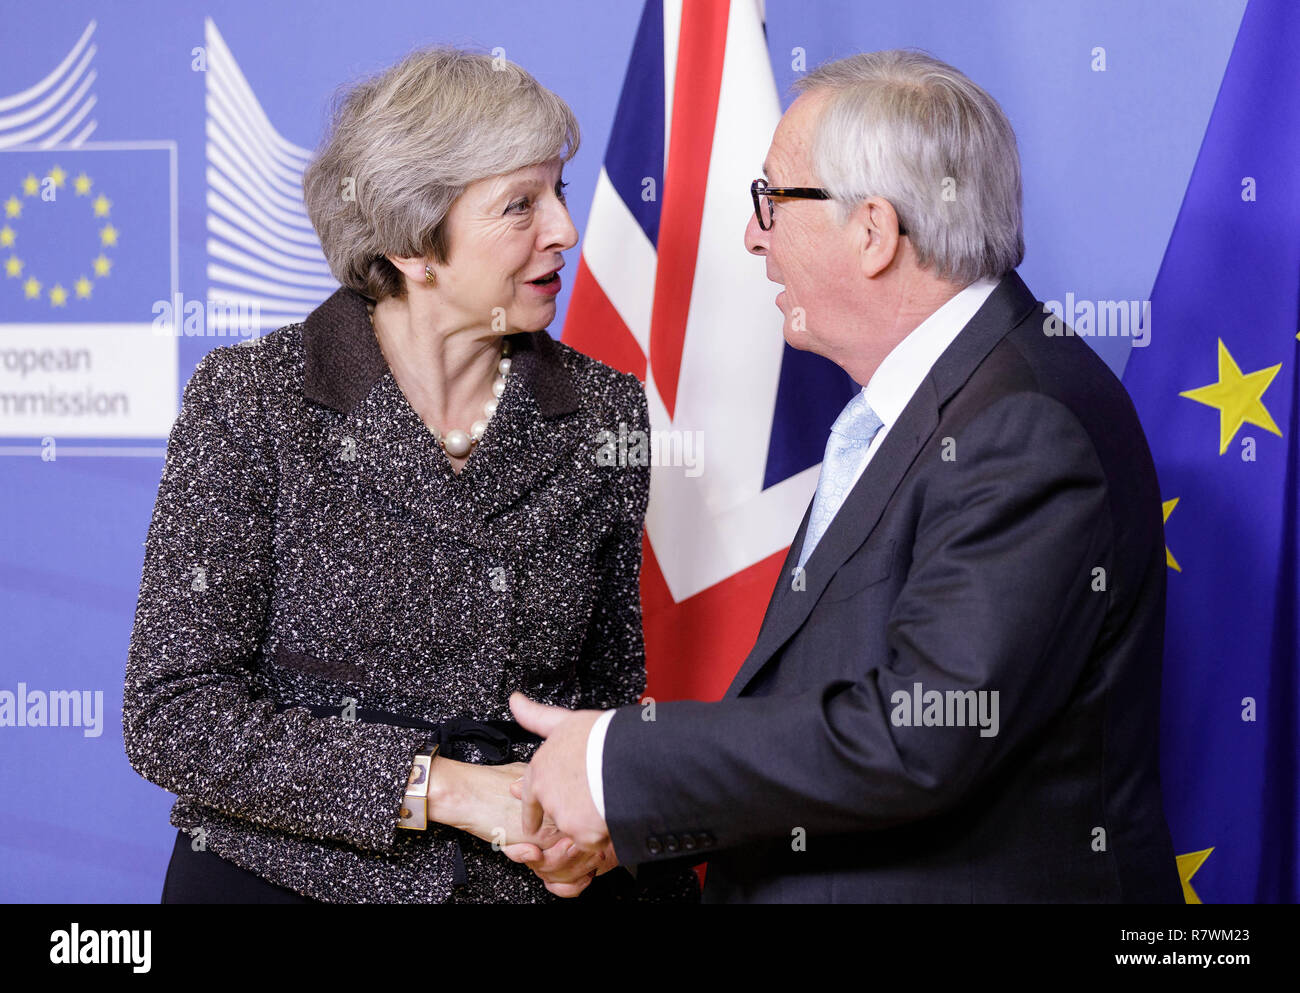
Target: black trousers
[{"x": 205, "y": 877}]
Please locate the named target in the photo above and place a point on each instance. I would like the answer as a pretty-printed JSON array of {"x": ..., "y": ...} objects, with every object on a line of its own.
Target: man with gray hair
[{"x": 954, "y": 694}]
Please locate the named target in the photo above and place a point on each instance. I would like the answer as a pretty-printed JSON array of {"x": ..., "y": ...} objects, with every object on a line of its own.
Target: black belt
[{"x": 493, "y": 739}]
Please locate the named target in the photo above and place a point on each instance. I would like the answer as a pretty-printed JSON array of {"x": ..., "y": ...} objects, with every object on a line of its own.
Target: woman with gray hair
[{"x": 375, "y": 524}]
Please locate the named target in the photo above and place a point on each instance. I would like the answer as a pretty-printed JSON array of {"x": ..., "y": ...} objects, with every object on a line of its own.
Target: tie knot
[{"x": 857, "y": 420}]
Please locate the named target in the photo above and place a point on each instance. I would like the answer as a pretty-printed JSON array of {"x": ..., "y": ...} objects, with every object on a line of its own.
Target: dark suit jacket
[
  {"x": 310, "y": 544},
  {"x": 1006, "y": 536}
]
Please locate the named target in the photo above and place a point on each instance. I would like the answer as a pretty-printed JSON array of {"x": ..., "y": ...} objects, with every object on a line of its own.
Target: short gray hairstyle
[
  {"x": 403, "y": 146},
  {"x": 904, "y": 126}
]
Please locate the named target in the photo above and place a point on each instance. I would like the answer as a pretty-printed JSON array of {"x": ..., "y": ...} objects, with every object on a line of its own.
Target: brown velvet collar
[{"x": 343, "y": 361}]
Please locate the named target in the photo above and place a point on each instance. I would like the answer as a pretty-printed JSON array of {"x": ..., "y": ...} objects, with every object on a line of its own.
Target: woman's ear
[
  {"x": 876, "y": 237},
  {"x": 412, "y": 268}
]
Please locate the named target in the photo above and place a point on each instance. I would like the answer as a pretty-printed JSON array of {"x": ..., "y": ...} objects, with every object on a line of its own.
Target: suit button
[
  {"x": 705, "y": 839},
  {"x": 688, "y": 842},
  {"x": 652, "y": 845},
  {"x": 670, "y": 842}
]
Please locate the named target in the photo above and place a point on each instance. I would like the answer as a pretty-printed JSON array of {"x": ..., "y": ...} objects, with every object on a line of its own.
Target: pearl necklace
[{"x": 457, "y": 443}]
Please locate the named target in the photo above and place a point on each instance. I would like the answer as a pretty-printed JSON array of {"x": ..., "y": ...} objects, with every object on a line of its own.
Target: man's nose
[{"x": 755, "y": 237}]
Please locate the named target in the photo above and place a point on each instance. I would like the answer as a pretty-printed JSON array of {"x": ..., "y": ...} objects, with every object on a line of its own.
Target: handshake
[{"x": 540, "y": 813}]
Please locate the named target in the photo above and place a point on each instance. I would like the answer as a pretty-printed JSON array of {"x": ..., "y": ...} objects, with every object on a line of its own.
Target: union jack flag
[{"x": 665, "y": 290}]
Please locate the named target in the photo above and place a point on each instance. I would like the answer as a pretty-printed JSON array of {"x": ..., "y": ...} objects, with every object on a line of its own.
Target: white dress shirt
[{"x": 888, "y": 391}]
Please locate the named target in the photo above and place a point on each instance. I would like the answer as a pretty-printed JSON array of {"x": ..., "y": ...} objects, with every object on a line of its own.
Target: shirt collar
[
  {"x": 342, "y": 360},
  {"x": 900, "y": 373}
]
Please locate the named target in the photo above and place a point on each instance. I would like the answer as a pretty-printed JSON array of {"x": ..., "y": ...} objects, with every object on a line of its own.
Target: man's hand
[
  {"x": 565, "y": 869},
  {"x": 556, "y": 780}
]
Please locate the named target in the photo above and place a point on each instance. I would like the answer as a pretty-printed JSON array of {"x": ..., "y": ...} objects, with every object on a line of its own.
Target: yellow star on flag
[
  {"x": 1168, "y": 507},
  {"x": 58, "y": 296},
  {"x": 83, "y": 286},
  {"x": 31, "y": 185},
  {"x": 1239, "y": 398},
  {"x": 108, "y": 235},
  {"x": 102, "y": 265},
  {"x": 32, "y": 288},
  {"x": 13, "y": 207},
  {"x": 82, "y": 185},
  {"x": 59, "y": 176},
  {"x": 1187, "y": 866},
  {"x": 102, "y": 203},
  {"x": 7, "y": 236},
  {"x": 13, "y": 266}
]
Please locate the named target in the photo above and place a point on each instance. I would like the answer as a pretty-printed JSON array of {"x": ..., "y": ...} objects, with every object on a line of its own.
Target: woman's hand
[
  {"x": 477, "y": 799},
  {"x": 565, "y": 869}
]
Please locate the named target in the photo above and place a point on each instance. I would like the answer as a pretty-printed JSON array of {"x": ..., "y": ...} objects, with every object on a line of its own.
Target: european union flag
[
  {"x": 1218, "y": 400},
  {"x": 85, "y": 232}
]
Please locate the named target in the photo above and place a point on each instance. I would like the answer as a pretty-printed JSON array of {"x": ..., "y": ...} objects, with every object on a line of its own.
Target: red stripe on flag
[
  {"x": 695, "y": 648},
  {"x": 700, "y": 53},
  {"x": 594, "y": 327}
]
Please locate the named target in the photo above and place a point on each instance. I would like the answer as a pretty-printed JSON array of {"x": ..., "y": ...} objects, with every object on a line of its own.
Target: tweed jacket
[{"x": 311, "y": 545}]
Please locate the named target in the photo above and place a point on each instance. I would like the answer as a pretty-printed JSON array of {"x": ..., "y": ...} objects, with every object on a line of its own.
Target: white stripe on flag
[
  {"x": 672, "y": 33},
  {"x": 621, "y": 258},
  {"x": 710, "y": 526}
]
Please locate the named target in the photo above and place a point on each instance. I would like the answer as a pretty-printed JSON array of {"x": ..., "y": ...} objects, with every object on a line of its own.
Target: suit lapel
[
  {"x": 385, "y": 445},
  {"x": 861, "y": 511},
  {"x": 851, "y": 526},
  {"x": 534, "y": 433}
]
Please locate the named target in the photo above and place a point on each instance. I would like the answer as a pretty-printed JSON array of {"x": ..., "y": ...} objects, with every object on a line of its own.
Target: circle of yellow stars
[{"x": 101, "y": 266}]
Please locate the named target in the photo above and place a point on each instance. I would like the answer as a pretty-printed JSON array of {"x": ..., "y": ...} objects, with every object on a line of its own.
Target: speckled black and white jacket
[{"x": 311, "y": 545}]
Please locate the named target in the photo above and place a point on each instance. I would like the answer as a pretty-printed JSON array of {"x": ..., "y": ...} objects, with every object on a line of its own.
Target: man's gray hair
[
  {"x": 902, "y": 125},
  {"x": 403, "y": 145}
]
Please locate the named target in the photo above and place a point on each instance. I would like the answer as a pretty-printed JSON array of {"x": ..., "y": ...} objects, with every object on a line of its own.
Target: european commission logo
[{"x": 88, "y": 243}]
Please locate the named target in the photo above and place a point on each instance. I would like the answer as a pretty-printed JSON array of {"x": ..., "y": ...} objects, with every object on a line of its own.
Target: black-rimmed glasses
[{"x": 762, "y": 194}]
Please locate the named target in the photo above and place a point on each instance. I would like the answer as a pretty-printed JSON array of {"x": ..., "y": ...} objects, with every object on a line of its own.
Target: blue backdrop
[{"x": 1107, "y": 156}]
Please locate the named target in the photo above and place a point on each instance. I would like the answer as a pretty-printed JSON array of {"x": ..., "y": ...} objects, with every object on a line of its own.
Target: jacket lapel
[
  {"x": 851, "y": 526},
  {"x": 861, "y": 511},
  {"x": 383, "y": 441},
  {"x": 534, "y": 433}
]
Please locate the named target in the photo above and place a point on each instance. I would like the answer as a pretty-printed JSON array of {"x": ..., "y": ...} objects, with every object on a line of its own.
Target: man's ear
[{"x": 875, "y": 231}]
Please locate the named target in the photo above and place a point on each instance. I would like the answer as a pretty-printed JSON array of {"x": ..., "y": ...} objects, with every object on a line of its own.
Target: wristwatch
[{"x": 415, "y": 810}]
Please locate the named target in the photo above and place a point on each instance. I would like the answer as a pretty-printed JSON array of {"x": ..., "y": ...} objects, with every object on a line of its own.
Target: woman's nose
[{"x": 560, "y": 232}]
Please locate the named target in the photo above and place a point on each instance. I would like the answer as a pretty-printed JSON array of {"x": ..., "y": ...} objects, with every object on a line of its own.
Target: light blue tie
[{"x": 850, "y": 438}]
